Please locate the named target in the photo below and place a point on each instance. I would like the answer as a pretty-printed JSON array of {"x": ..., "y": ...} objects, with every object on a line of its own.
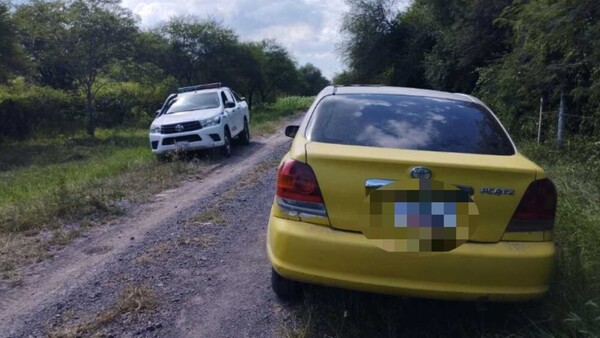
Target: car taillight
[
  {"x": 298, "y": 189},
  {"x": 537, "y": 209}
]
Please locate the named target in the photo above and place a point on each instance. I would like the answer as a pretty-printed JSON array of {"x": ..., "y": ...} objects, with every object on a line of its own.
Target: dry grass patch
[
  {"x": 63, "y": 237},
  {"x": 133, "y": 301},
  {"x": 144, "y": 259},
  {"x": 202, "y": 241},
  {"x": 17, "y": 250},
  {"x": 212, "y": 216}
]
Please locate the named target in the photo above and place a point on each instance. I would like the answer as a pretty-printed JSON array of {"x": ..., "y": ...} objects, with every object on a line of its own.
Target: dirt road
[{"x": 195, "y": 253}]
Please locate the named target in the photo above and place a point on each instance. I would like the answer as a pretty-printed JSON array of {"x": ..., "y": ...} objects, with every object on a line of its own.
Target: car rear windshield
[
  {"x": 193, "y": 101},
  {"x": 408, "y": 122}
]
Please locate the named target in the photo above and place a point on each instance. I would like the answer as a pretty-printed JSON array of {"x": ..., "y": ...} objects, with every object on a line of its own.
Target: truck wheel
[
  {"x": 226, "y": 149},
  {"x": 245, "y": 134}
]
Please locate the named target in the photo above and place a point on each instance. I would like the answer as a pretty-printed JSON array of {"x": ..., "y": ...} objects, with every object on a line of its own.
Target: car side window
[
  {"x": 236, "y": 97},
  {"x": 229, "y": 96},
  {"x": 223, "y": 98}
]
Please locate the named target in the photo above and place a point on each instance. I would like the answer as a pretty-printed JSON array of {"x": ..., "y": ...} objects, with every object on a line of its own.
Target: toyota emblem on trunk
[
  {"x": 420, "y": 172},
  {"x": 179, "y": 128}
]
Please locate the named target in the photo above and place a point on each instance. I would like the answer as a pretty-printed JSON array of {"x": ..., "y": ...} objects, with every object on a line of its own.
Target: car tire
[
  {"x": 284, "y": 288},
  {"x": 245, "y": 134},
  {"x": 226, "y": 149}
]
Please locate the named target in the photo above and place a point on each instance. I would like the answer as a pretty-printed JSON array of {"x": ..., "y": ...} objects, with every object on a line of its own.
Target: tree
[
  {"x": 200, "y": 49},
  {"x": 42, "y": 30},
  {"x": 249, "y": 70},
  {"x": 467, "y": 38},
  {"x": 204, "y": 51},
  {"x": 11, "y": 55},
  {"x": 281, "y": 75},
  {"x": 554, "y": 50},
  {"x": 344, "y": 78},
  {"x": 101, "y": 31},
  {"x": 366, "y": 47},
  {"x": 312, "y": 80}
]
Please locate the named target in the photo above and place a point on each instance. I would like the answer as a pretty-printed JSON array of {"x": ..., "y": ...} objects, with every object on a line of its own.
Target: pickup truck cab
[{"x": 200, "y": 117}]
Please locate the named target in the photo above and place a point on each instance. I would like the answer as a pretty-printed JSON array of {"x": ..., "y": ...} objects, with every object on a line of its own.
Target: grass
[
  {"x": 56, "y": 181},
  {"x": 53, "y": 189},
  {"x": 571, "y": 309}
]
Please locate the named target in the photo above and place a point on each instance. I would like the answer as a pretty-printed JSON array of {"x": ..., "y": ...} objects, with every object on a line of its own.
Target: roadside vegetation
[
  {"x": 508, "y": 53},
  {"x": 53, "y": 189},
  {"x": 266, "y": 119}
]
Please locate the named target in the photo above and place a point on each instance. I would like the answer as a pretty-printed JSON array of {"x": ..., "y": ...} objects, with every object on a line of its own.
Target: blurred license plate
[{"x": 182, "y": 145}]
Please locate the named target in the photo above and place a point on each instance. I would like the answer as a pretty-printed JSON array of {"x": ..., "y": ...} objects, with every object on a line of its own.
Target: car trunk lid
[{"x": 342, "y": 171}]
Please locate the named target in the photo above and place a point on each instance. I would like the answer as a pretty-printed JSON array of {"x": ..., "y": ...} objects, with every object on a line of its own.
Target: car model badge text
[{"x": 497, "y": 191}]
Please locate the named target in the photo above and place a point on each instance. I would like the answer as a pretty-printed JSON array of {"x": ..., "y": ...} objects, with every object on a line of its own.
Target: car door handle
[{"x": 376, "y": 183}]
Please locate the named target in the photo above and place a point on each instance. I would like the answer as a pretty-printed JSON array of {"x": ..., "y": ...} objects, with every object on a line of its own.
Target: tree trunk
[
  {"x": 91, "y": 125},
  {"x": 561, "y": 121},
  {"x": 250, "y": 96}
]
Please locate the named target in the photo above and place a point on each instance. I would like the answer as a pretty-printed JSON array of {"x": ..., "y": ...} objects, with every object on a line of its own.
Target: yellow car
[{"x": 410, "y": 192}]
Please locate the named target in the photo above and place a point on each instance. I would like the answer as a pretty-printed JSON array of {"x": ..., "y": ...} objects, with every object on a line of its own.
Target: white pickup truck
[{"x": 200, "y": 117}]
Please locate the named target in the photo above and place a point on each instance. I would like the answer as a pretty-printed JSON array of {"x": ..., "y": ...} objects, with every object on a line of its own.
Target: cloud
[{"x": 309, "y": 29}]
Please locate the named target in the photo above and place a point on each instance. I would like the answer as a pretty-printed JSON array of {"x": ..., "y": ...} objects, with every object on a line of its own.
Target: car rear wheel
[
  {"x": 245, "y": 134},
  {"x": 284, "y": 288},
  {"x": 226, "y": 149}
]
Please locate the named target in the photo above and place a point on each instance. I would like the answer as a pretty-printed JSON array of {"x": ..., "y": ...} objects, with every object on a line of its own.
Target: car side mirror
[
  {"x": 243, "y": 98},
  {"x": 158, "y": 112},
  {"x": 229, "y": 104},
  {"x": 290, "y": 131}
]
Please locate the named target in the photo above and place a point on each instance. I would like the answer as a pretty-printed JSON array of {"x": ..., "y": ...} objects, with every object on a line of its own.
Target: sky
[{"x": 309, "y": 29}]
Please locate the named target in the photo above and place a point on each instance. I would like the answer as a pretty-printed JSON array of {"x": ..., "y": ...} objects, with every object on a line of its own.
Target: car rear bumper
[
  {"x": 503, "y": 271},
  {"x": 192, "y": 140}
]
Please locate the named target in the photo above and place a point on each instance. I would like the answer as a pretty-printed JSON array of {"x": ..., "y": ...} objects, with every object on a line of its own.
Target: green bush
[
  {"x": 26, "y": 109},
  {"x": 130, "y": 103}
]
